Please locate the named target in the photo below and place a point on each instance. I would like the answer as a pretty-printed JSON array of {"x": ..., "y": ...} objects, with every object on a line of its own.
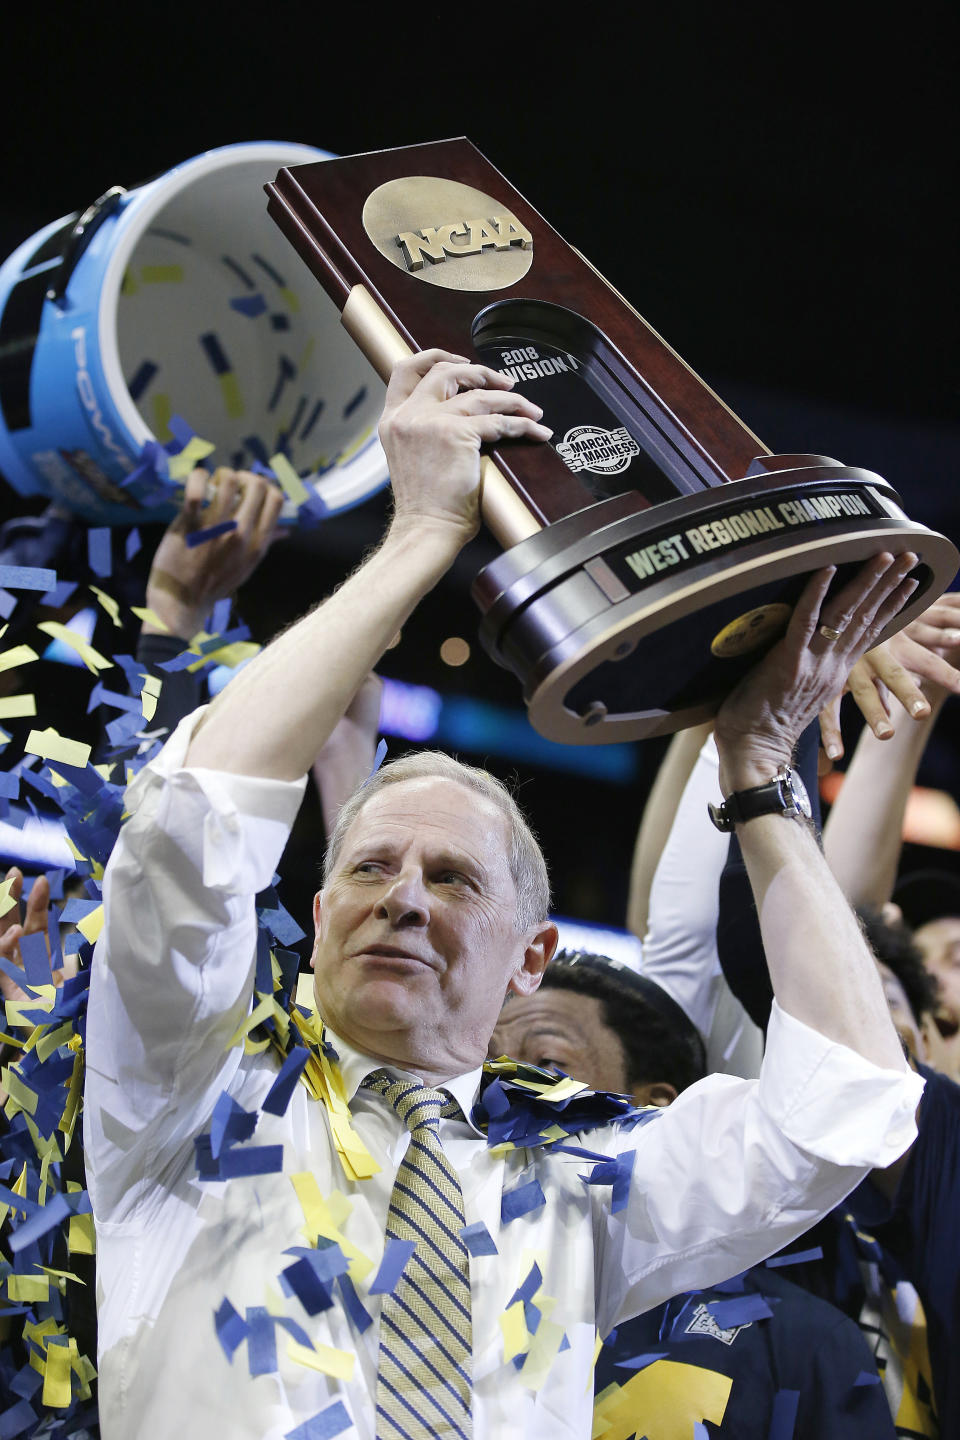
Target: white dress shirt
[{"x": 732, "y": 1171}]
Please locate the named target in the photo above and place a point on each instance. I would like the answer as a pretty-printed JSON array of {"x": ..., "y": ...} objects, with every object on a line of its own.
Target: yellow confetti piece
[
  {"x": 17, "y": 655},
  {"x": 91, "y": 925},
  {"x": 339, "y": 1363},
  {"x": 62, "y": 1275},
  {"x": 152, "y": 684},
  {"x": 189, "y": 457},
  {"x": 53, "y": 746},
  {"x": 4, "y": 737},
  {"x": 162, "y": 407},
  {"x": 293, "y": 304},
  {"x": 321, "y": 1223},
  {"x": 11, "y": 1040},
  {"x": 161, "y": 274},
  {"x": 670, "y": 1397},
  {"x": 56, "y": 1377},
  {"x": 52, "y": 1040},
  {"x": 150, "y": 617},
  {"x": 26, "y": 1288},
  {"x": 232, "y": 398},
  {"x": 306, "y": 354},
  {"x": 542, "y": 1353},
  {"x": 258, "y": 1014},
  {"x": 13, "y": 706},
  {"x": 93, "y": 660},
  {"x": 255, "y": 1047},
  {"x": 81, "y": 1236},
  {"x": 109, "y": 604},
  {"x": 6, "y": 895},
  {"x": 597, "y": 1347},
  {"x": 22, "y": 1097},
  {"x": 229, "y": 655},
  {"x": 516, "y": 1337},
  {"x": 293, "y": 487}
]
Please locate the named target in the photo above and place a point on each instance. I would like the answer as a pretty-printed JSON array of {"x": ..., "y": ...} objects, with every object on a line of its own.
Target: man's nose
[{"x": 405, "y": 901}]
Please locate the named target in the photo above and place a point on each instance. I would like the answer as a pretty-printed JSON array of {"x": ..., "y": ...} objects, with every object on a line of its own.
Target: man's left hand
[{"x": 760, "y": 722}]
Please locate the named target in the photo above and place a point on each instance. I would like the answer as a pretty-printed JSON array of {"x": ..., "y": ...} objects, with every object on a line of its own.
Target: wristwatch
[{"x": 785, "y": 795}]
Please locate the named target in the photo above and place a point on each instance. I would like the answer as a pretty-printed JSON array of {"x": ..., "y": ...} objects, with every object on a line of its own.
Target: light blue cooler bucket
[{"x": 179, "y": 298}]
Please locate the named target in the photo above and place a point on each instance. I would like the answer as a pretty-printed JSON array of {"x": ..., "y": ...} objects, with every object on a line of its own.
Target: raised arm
[
  {"x": 822, "y": 971},
  {"x": 439, "y": 410},
  {"x": 862, "y": 837}
]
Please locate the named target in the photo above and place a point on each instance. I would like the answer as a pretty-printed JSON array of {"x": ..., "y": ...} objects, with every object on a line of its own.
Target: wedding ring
[{"x": 831, "y": 635}]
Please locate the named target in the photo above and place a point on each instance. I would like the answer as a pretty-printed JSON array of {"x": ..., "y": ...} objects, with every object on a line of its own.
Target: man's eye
[{"x": 547, "y": 1063}]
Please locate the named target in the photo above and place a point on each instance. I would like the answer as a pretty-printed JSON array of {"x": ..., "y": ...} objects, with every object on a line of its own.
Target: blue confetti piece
[
  {"x": 99, "y": 552},
  {"x": 231, "y": 1329},
  {"x": 734, "y": 1286},
  {"x": 60, "y": 593},
  {"x": 215, "y": 353},
  {"x": 212, "y": 532},
  {"x": 783, "y": 1416},
  {"x": 17, "y": 1420},
  {"x": 36, "y": 961},
  {"x": 255, "y": 1160},
  {"x": 379, "y": 758},
  {"x": 353, "y": 1304},
  {"x": 53, "y": 1213},
  {"x": 281, "y": 923},
  {"x": 866, "y": 1377},
  {"x": 521, "y": 1201},
  {"x": 330, "y": 1422},
  {"x": 27, "y": 577},
  {"x": 302, "y": 1280},
  {"x": 700, "y": 1431},
  {"x": 741, "y": 1311},
  {"x": 796, "y": 1257},
  {"x": 221, "y": 615},
  {"x": 133, "y": 543},
  {"x": 312, "y": 419},
  {"x": 352, "y": 404},
  {"x": 8, "y": 603},
  {"x": 9, "y": 785},
  {"x": 182, "y": 434},
  {"x": 529, "y": 1288},
  {"x": 77, "y": 909},
  {"x": 26, "y": 1383},
  {"x": 278, "y": 1096},
  {"x": 249, "y": 305},
  {"x": 229, "y": 1124},
  {"x": 292, "y": 1328},
  {"x": 640, "y": 1362},
  {"x": 396, "y": 1258},
  {"x": 261, "y": 1341},
  {"x": 478, "y": 1240}
]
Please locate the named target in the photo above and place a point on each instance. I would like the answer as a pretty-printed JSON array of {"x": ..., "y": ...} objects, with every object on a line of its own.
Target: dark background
[{"x": 772, "y": 188}]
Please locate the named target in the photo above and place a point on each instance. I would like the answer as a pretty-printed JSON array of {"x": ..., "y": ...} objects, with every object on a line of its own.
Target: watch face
[{"x": 799, "y": 793}]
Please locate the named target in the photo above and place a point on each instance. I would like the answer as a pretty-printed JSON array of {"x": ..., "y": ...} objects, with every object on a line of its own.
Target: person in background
[{"x": 599, "y": 1021}]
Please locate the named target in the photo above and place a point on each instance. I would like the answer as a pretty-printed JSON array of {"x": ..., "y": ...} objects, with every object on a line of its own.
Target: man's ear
[
  {"x": 537, "y": 954},
  {"x": 655, "y": 1092},
  {"x": 317, "y": 911}
]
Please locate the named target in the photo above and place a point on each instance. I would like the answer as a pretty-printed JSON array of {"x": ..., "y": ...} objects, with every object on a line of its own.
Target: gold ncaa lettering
[{"x": 437, "y": 243}]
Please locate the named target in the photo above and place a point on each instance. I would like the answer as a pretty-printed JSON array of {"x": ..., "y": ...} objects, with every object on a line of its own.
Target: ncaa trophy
[{"x": 654, "y": 548}]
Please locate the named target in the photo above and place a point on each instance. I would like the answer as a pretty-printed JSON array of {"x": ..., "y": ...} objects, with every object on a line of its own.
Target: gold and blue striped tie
[{"x": 424, "y": 1381}]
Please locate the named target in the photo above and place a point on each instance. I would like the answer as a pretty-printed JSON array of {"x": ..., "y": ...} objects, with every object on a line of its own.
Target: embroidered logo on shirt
[{"x": 703, "y": 1323}]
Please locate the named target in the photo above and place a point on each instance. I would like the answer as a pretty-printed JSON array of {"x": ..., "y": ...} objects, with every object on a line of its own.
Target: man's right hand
[{"x": 439, "y": 410}]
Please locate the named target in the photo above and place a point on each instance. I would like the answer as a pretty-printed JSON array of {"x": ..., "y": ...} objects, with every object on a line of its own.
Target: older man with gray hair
[{"x": 370, "y": 1261}]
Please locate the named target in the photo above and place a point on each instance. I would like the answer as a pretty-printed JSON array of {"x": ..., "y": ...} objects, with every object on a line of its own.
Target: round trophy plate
[{"x": 623, "y": 623}]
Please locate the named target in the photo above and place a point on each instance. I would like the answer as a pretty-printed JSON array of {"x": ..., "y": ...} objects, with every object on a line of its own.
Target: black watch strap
[{"x": 783, "y": 795}]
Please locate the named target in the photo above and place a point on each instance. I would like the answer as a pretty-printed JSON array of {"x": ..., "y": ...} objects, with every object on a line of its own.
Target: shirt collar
[{"x": 355, "y": 1067}]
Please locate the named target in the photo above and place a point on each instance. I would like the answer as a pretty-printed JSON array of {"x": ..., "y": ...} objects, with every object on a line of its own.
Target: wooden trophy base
[{"x": 624, "y": 623}]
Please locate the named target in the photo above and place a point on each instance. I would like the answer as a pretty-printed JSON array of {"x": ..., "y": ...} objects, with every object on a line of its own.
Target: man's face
[
  {"x": 939, "y": 943},
  {"x": 560, "y": 1029},
  {"x": 416, "y": 933}
]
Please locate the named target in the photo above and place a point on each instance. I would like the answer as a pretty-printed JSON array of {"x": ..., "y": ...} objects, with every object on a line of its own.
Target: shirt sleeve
[
  {"x": 734, "y": 1169},
  {"x": 172, "y": 972},
  {"x": 680, "y": 947}
]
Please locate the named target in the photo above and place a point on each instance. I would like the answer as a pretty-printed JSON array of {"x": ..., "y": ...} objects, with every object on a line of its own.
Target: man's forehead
[{"x": 432, "y": 807}]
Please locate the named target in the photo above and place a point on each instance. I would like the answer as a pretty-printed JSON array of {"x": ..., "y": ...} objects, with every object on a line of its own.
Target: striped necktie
[{"x": 424, "y": 1382}]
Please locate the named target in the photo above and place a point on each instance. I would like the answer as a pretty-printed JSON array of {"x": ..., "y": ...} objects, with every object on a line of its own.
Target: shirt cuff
[
  {"x": 833, "y": 1103},
  {"x": 233, "y": 826}
]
